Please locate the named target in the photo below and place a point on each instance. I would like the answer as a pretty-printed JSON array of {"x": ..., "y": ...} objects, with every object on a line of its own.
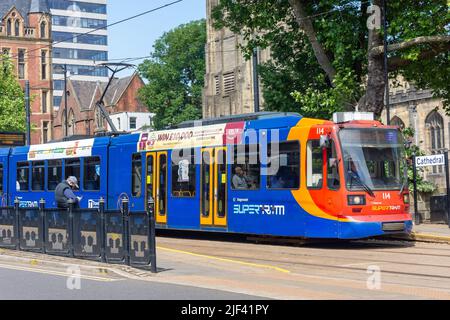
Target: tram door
[
  {"x": 213, "y": 187},
  {"x": 156, "y": 184}
]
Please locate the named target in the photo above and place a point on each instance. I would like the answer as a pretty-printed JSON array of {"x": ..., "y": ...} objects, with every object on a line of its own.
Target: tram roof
[
  {"x": 4, "y": 151},
  {"x": 237, "y": 118},
  {"x": 256, "y": 121}
]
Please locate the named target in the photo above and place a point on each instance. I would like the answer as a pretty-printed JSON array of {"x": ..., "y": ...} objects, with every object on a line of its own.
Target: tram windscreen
[{"x": 374, "y": 159}]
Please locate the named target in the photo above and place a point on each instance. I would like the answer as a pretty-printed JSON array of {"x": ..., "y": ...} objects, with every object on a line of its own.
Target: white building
[
  {"x": 132, "y": 121},
  {"x": 71, "y": 19}
]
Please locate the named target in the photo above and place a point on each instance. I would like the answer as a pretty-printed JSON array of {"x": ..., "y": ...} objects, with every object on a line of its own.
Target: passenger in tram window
[{"x": 239, "y": 180}]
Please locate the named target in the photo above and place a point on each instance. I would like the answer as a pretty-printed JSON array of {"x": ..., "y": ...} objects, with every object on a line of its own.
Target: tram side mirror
[{"x": 324, "y": 141}]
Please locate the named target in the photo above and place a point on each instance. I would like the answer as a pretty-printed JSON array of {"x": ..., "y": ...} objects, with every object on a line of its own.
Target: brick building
[
  {"x": 83, "y": 117},
  {"x": 25, "y": 37}
]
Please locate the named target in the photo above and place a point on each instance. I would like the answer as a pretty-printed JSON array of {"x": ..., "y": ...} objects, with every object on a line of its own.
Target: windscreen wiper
[{"x": 365, "y": 186}]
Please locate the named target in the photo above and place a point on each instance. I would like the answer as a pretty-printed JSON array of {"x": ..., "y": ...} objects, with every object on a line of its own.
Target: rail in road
[
  {"x": 371, "y": 269},
  {"x": 320, "y": 271}
]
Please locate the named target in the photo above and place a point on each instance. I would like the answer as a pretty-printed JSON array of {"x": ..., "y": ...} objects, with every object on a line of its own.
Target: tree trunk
[
  {"x": 306, "y": 25},
  {"x": 373, "y": 101}
]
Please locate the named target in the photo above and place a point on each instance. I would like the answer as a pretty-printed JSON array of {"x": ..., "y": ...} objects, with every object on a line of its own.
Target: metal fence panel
[
  {"x": 31, "y": 230},
  {"x": 139, "y": 227},
  {"x": 87, "y": 233},
  {"x": 112, "y": 236},
  {"x": 115, "y": 237},
  {"x": 57, "y": 231},
  {"x": 8, "y": 228}
]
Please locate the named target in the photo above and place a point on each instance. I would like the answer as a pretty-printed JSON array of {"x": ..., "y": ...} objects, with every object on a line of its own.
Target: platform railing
[{"x": 110, "y": 236}]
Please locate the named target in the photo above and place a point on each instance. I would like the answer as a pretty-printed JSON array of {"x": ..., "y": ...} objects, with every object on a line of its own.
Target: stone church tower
[{"x": 229, "y": 86}]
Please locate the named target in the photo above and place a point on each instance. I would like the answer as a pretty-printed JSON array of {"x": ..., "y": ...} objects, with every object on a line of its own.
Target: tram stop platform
[{"x": 431, "y": 232}]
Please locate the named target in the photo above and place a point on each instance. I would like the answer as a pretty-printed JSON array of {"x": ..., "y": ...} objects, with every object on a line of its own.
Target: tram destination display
[{"x": 12, "y": 139}]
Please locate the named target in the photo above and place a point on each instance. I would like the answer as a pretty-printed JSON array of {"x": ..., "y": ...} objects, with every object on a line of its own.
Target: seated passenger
[
  {"x": 239, "y": 180},
  {"x": 278, "y": 182}
]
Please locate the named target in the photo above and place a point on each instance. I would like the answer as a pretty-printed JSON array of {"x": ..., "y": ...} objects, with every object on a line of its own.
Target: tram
[{"x": 276, "y": 174}]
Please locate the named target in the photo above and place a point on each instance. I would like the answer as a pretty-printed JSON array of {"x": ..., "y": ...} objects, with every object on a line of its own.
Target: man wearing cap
[{"x": 64, "y": 192}]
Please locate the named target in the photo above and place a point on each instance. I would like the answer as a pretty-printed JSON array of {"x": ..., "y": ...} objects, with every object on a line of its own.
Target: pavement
[{"x": 431, "y": 232}]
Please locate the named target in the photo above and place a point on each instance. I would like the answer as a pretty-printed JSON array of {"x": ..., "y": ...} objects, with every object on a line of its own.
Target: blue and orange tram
[{"x": 277, "y": 174}]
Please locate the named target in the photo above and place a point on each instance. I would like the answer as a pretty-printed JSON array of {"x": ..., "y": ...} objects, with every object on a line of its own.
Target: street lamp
[{"x": 64, "y": 69}]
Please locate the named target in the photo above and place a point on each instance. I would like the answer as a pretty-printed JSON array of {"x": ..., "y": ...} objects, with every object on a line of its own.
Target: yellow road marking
[
  {"x": 266, "y": 266},
  {"x": 56, "y": 273}
]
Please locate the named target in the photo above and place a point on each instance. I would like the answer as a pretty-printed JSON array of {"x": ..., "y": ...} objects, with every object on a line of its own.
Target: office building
[{"x": 72, "y": 47}]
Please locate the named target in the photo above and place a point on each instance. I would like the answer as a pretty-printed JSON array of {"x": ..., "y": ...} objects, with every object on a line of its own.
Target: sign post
[
  {"x": 416, "y": 211},
  {"x": 434, "y": 160},
  {"x": 447, "y": 183}
]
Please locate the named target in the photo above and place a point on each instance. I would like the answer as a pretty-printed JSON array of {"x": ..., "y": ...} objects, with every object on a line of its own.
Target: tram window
[
  {"x": 314, "y": 165},
  {"x": 1, "y": 179},
  {"x": 246, "y": 173},
  {"x": 333, "y": 180},
  {"x": 37, "y": 176},
  {"x": 183, "y": 173},
  {"x": 284, "y": 166},
  {"x": 54, "y": 174},
  {"x": 136, "y": 175},
  {"x": 91, "y": 181},
  {"x": 22, "y": 179},
  {"x": 72, "y": 168}
]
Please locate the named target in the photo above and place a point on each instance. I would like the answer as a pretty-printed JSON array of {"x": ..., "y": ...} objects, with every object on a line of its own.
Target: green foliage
[
  {"x": 294, "y": 81},
  {"x": 411, "y": 149},
  {"x": 12, "y": 99},
  {"x": 175, "y": 75}
]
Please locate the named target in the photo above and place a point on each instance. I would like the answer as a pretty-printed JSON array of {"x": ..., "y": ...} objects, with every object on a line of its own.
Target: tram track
[{"x": 342, "y": 263}]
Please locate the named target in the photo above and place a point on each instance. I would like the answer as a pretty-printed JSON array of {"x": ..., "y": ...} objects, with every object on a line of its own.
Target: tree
[
  {"x": 12, "y": 99},
  {"x": 175, "y": 75},
  {"x": 411, "y": 150},
  {"x": 328, "y": 55}
]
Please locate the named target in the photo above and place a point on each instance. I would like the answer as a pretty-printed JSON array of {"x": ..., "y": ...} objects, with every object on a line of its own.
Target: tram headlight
[
  {"x": 406, "y": 198},
  {"x": 358, "y": 200}
]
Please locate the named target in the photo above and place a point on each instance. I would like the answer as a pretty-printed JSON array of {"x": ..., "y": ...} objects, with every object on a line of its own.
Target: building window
[
  {"x": 45, "y": 132},
  {"x": 9, "y": 28},
  {"x": 229, "y": 85},
  {"x": 396, "y": 121},
  {"x": 44, "y": 101},
  {"x": 44, "y": 65},
  {"x": 183, "y": 173},
  {"x": 21, "y": 62},
  {"x": 43, "y": 31},
  {"x": 136, "y": 175},
  {"x": 91, "y": 181},
  {"x": 71, "y": 124},
  {"x": 57, "y": 102},
  {"x": 118, "y": 122},
  {"x": 132, "y": 123},
  {"x": 435, "y": 126},
  {"x": 217, "y": 85},
  {"x": 17, "y": 28},
  {"x": 284, "y": 166}
]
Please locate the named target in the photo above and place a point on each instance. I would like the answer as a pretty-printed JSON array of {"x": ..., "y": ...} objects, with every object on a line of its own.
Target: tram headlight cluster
[{"x": 358, "y": 200}]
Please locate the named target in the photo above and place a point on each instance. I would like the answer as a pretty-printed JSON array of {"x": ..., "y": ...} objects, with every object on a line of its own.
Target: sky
[{"x": 135, "y": 38}]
